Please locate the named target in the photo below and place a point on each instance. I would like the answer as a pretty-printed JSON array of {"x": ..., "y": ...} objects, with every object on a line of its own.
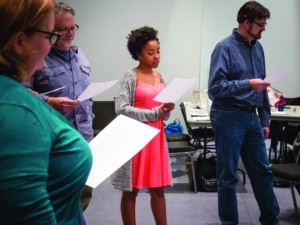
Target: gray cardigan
[{"x": 122, "y": 179}]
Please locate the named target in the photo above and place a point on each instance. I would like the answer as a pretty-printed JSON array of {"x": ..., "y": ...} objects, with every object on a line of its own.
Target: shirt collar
[
  {"x": 66, "y": 54},
  {"x": 240, "y": 38}
]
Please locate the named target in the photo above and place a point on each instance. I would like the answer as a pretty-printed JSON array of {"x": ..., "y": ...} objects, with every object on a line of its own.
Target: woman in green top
[{"x": 44, "y": 161}]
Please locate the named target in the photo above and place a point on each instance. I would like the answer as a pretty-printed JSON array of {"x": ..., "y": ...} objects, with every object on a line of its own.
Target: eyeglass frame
[
  {"x": 68, "y": 29},
  {"x": 260, "y": 25},
  {"x": 54, "y": 34}
]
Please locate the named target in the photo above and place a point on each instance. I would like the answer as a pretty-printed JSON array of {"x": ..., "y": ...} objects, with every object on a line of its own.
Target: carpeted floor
[{"x": 185, "y": 207}]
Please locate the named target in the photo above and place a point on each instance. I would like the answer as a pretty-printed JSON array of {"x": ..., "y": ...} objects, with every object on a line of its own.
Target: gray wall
[{"x": 188, "y": 31}]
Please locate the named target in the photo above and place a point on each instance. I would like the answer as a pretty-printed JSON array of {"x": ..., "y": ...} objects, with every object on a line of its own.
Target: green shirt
[{"x": 44, "y": 161}]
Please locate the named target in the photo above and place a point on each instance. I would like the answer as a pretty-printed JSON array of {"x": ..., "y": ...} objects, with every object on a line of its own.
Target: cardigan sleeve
[{"x": 125, "y": 101}]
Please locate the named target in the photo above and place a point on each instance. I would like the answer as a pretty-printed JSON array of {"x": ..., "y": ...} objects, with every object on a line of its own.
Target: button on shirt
[
  {"x": 72, "y": 70},
  {"x": 233, "y": 63}
]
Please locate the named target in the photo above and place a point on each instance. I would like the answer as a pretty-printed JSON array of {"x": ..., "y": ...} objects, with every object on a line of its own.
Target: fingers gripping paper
[{"x": 118, "y": 142}]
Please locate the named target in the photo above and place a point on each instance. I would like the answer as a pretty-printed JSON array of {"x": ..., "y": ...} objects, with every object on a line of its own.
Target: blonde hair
[{"x": 18, "y": 16}]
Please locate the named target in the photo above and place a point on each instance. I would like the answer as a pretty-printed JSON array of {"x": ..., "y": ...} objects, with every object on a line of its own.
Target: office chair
[
  {"x": 205, "y": 135},
  {"x": 104, "y": 112},
  {"x": 290, "y": 172},
  {"x": 200, "y": 134},
  {"x": 284, "y": 133},
  {"x": 180, "y": 145}
]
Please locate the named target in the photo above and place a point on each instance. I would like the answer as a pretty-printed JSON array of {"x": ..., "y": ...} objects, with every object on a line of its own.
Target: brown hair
[
  {"x": 252, "y": 10},
  {"x": 17, "y": 16}
]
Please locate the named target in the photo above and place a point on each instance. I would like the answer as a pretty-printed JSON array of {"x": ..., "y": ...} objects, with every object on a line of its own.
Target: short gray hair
[{"x": 62, "y": 7}]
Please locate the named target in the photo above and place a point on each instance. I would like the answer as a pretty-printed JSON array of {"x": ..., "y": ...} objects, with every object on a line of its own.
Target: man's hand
[
  {"x": 266, "y": 131},
  {"x": 258, "y": 85},
  {"x": 63, "y": 104}
]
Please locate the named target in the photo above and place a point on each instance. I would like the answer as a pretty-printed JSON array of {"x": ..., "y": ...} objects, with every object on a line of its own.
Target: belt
[
  {"x": 234, "y": 107},
  {"x": 248, "y": 109}
]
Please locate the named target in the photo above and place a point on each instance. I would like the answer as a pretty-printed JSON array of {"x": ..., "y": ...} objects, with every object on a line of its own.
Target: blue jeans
[{"x": 239, "y": 133}]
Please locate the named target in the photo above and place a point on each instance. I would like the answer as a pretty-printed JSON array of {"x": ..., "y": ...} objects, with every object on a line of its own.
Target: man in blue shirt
[
  {"x": 67, "y": 66},
  {"x": 240, "y": 114}
]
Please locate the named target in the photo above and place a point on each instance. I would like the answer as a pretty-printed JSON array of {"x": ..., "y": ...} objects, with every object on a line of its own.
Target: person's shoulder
[
  {"x": 130, "y": 74},
  {"x": 51, "y": 59},
  {"x": 258, "y": 44},
  {"x": 78, "y": 50},
  {"x": 226, "y": 41},
  {"x": 162, "y": 77},
  {"x": 129, "y": 77},
  {"x": 14, "y": 88}
]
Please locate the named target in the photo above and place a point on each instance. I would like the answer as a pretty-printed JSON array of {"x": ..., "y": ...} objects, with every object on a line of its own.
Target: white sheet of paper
[
  {"x": 118, "y": 142},
  {"x": 278, "y": 76},
  {"x": 95, "y": 88},
  {"x": 174, "y": 90},
  {"x": 48, "y": 92}
]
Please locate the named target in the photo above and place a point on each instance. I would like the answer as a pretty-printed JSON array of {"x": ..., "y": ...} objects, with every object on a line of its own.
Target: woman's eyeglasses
[{"x": 53, "y": 36}]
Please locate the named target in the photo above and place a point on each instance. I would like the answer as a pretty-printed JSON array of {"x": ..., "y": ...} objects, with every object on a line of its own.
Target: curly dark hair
[
  {"x": 252, "y": 10},
  {"x": 138, "y": 38}
]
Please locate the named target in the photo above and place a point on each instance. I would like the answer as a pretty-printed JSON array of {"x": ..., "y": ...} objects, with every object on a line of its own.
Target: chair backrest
[
  {"x": 104, "y": 112},
  {"x": 182, "y": 107},
  {"x": 296, "y": 148}
]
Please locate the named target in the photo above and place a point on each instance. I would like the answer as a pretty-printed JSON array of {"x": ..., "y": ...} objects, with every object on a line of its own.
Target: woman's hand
[{"x": 167, "y": 107}]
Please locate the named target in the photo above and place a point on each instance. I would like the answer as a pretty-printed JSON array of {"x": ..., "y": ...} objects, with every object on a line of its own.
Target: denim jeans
[{"x": 239, "y": 133}]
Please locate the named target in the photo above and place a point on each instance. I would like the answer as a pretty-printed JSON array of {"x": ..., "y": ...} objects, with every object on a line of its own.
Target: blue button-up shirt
[
  {"x": 233, "y": 63},
  {"x": 72, "y": 70}
]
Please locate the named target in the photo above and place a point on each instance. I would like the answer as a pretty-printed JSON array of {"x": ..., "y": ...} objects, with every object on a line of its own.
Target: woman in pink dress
[{"x": 150, "y": 168}]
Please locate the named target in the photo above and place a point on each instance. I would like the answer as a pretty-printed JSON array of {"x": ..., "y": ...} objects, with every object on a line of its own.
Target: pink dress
[{"x": 151, "y": 167}]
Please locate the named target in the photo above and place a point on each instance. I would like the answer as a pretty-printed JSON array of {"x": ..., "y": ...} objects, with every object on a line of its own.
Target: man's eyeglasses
[
  {"x": 261, "y": 25},
  {"x": 53, "y": 36},
  {"x": 68, "y": 29}
]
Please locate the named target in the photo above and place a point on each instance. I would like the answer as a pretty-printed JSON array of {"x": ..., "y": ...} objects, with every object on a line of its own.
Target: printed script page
[{"x": 118, "y": 142}]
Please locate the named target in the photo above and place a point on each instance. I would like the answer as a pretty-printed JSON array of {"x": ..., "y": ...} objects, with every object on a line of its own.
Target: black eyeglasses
[
  {"x": 68, "y": 29},
  {"x": 261, "y": 25},
  {"x": 53, "y": 36}
]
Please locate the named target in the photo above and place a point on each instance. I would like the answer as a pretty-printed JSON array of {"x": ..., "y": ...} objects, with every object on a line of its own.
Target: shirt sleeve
[
  {"x": 222, "y": 83},
  {"x": 24, "y": 155}
]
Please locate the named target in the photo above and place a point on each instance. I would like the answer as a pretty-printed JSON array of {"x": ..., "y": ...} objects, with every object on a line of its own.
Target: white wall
[
  {"x": 188, "y": 31},
  {"x": 105, "y": 24},
  {"x": 281, "y": 39}
]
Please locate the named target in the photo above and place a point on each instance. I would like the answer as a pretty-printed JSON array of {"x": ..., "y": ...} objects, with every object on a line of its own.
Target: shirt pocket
[
  {"x": 85, "y": 75},
  {"x": 85, "y": 69},
  {"x": 50, "y": 78}
]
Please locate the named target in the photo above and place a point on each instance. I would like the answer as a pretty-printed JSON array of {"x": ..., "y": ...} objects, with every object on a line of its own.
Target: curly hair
[
  {"x": 15, "y": 17},
  {"x": 252, "y": 10},
  {"x": 138, "y": 38}
]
